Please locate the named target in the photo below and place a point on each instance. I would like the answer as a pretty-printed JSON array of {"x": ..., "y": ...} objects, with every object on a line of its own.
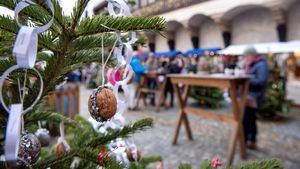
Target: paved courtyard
[{"x": 275, "y": 139}]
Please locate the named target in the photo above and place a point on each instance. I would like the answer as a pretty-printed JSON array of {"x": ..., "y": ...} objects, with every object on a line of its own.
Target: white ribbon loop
[
  {"x": 5, "y": 75},
  {"x": 24, "y": 3},
  {"x": 121, "y": 5},
  {"x": 25, "y": 48},
  {"x": 13, "y": 132}
]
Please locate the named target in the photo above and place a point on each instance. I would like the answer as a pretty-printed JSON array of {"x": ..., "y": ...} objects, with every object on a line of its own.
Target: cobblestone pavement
[{"x": 275, "y": 139}]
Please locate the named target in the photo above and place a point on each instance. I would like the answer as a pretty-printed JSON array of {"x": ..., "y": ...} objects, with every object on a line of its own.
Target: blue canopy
[
  {"x": 167, "y": 54},
  {"x": 200, "y": 51},
  {"x": 143, "y": 55}
]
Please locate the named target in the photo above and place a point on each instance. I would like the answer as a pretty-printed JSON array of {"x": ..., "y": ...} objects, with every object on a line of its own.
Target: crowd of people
[{"x": 251, "y": 63}]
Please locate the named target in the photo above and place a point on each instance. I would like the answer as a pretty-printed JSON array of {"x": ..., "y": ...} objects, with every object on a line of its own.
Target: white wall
[
  {"x": 161, "y": 44},
  {"x": 210, "y": 35},
  {"x": 183, "y": 40},
  {"x": 293, "y": 23},
  {"x": 253, "y": 26}
]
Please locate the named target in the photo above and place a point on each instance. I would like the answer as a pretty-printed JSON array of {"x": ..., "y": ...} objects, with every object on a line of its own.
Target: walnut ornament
[
  {"x": 60, "y": 149},
  {"x": 102, "y": 104},
  {"x": 133, "y": 155}
]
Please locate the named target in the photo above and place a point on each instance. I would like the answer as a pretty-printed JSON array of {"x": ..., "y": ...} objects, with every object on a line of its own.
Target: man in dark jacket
[{"x": 257, "y": 68}]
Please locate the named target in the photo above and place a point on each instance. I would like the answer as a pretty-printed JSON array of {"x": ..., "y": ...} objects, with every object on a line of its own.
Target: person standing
[
  {"x": 257, "y": 67},
  {"x": 138, "y": 69},
  {"x": 171, "y": 68}
]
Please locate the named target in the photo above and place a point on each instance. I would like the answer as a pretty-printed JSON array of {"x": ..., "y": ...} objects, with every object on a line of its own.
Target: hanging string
[
  {"x": 102, "y": 59},
  {"x": 22, "y": 125},
  {"x": 110, "y": 53},
  {"x": 19, "y": 88},
  {"x": 62, "y": 129},
  {"x": 24, "y": 85},
  {"x": 39, "y": 124}
]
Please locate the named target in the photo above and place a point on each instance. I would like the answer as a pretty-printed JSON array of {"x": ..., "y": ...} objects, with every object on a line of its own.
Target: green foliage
[
  {"x": 265, "y": 164},
  {"x": 205, "y": 164},
  {"x": 185, "y": 166},
  {"x": 275, "y": 97},
  {"x": 86, "y": 143},
  {"x": 208, "y": 96}
]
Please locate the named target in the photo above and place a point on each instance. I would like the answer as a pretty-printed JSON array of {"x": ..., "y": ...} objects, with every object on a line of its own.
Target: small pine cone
[
  {"x": 59, "y": 149},
  {"x": 130, "y": 156}
]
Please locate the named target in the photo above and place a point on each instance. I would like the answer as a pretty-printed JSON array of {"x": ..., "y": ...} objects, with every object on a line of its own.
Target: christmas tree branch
[
  {"x": 148, "y": 160},
  {"x": 94, "y": 41},
  {"x": 185, "y": 166},
  {"x": 39, "y": 14},
  {"x": 77, "y": 12},
  {"x": 90, "y": 26},
  {"x": 53, "y": 117},
  {"x": 265, "y": 164},
  {"x": 53, "y": 160},
  {"x": 10, "y": 26},
  {"x": 125, "y": 132}
]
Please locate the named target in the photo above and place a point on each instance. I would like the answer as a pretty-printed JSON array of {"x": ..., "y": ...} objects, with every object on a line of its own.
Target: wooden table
[
  {"x": 223, "y": 82},
  {"x": 143, "y": 89}
]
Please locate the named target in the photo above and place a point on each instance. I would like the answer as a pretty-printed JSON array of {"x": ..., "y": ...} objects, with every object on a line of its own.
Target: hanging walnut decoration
[
  {"x": 122, "y": 71},
  {"x": 102, "y": 104},
  {"x": 133, "y": 155},
  {"x": 60, "y": 149}
]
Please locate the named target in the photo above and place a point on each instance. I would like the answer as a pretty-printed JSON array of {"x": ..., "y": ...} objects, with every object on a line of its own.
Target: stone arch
[
  {"x": 251, "y": 24},
  {"x": 163, "y": 43},
  {"x": 207, "y": 30},
  {"x": 293, "y": 24}
]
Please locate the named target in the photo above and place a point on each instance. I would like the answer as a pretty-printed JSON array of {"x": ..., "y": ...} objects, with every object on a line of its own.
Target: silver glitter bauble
[
  {"x": 29, "y": 149},
  {"x": 43, "y": 136}
]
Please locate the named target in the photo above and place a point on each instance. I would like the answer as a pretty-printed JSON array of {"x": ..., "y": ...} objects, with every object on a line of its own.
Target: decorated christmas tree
[
  {"x": 275, "y": 98},
  {"x": 69, "y": 43}
]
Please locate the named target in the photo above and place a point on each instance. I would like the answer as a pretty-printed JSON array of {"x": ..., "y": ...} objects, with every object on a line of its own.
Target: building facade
[{"x": 219, "y": 23}]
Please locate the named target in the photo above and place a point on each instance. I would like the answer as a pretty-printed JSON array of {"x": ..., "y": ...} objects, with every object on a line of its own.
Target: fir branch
[
  {"x": 111, "y": 163},
  {"x": 90, "y": 26},
  {"x": 265, "y": 164},
  {"x": 10, "y": 26},
  {"x": 77, "y": 12},
  {"x": 125, "y": 132},
  {"x": 185, "y": 166},
  {"x": 53, "y": 117},
  {"x": 5, "y": 64},
  {"x": 53, "y": 160},
  {"x": 94, "y": 41},
  {"x": 147, "y": 160},
  {"x": 80, "y": 58},
  {"x": 39, "y": 14}
]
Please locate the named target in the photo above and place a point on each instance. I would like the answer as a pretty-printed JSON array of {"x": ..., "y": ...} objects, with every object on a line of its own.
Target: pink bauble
[{"x": 110, "y": 76}]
